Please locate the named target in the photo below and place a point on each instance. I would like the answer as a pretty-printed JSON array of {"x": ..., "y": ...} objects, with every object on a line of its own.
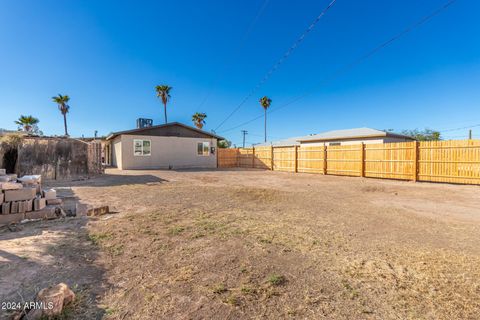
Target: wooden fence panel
[
  {"x": 284, "y": 159},
  {"x": 455, "y": 161},
  {"x": 245, "y": 158},
  {"x": 344, "y": 160},
  {"x": 263, "y": 158},
  {"x": 310, "y": 159},
  {"x": 390, "y": 160},
  {"x": 227, "y": 158}
]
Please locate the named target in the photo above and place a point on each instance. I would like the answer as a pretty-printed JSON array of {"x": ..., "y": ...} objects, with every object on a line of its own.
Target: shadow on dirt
[{"x": 44, "y": 253}]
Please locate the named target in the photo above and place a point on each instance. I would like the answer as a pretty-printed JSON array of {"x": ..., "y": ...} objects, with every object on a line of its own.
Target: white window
[
  {"x": 203, "y": 148},
  {"x": 142, "y": 147}
]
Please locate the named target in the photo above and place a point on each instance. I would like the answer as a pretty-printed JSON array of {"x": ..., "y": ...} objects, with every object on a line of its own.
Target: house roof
[
  {"x": 351, "y": 134},
  {"x": 142, "y": 131},
  {"x": 335, "y": 135},
  {"x": 281, "y": 143}
]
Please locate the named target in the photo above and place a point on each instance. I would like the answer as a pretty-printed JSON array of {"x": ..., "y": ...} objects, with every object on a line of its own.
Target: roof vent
[{"x": 144, "y": 123}]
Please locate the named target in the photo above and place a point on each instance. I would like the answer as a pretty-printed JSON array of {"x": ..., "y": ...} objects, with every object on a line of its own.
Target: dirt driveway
[{"x": 235, "y": 244}]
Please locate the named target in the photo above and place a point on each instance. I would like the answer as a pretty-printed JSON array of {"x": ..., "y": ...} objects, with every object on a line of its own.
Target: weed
[
  {"x": 233, "y": 300},
  {"x": 97, "y": 238},
  {"x": 219, "y": 288},
  {"x": 247, "y": 290},
  {"x": 276, "y": 280},
  {"x": 176, "y": 230}
]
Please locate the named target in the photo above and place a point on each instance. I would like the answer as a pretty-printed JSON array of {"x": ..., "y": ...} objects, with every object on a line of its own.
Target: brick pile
[{"x": 24, "y": 197}]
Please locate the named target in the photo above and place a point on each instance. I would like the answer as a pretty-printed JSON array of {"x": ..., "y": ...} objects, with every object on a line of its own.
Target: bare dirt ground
[{"x": 236, "y": 244}]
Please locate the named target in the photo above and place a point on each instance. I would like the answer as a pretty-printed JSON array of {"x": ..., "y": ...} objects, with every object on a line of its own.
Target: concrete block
[
  {"x": 39, "y": 204},
  {"x": 29, "y": 205},
  {"x": 10, "y": 185},
  {"x": 45, "y": 213},
  {"x": 50, "y": 194},
  {"x": 22, "y": 206},
  {"x": 98, "y": 211},
  {"x": 2, "y": 197},
  {"x": 14, "y": 207},
  {"x": 6, "y": 208},
  {"x": 20, "y": 194},
  {"x": 12, "y": 176},
  {"x": 4, "y": 178},
  {"x": 56, "y": 201},
  {"x": 6, "y": 219},
  {"x": 3, "y": 172}
]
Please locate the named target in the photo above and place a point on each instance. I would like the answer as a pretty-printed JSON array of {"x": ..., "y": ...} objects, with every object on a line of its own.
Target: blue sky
[{"x": 109, "y": 55}]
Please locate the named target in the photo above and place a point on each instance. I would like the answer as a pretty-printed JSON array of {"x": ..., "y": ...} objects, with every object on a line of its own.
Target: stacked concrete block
[
  {"x": 23, "y": 198},
  {"x": 39, "y": 204}
]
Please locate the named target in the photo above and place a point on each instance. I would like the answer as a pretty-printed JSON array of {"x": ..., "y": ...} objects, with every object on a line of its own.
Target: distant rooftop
[
  {"x": 355, "y": 133},
  {"x": 351, "y": 134}
]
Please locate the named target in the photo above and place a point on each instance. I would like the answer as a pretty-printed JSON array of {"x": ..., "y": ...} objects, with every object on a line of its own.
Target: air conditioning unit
[{"x": 144, "y": 123}]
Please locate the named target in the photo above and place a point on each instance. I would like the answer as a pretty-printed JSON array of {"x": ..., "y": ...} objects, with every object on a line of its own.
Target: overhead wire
[
  {"x": 238, "y": 49},
  {"x": 279, "y": 62},
  {"x": 353, "y": 64}
]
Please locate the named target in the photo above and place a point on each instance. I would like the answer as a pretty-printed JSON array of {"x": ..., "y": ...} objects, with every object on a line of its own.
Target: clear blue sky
[{"x": 109, "y": 55}]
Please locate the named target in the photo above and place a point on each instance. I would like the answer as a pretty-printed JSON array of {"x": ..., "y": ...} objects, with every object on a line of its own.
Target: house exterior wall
[
  {"x": 166, "y": 152},
  {"x": 355, "y": 141},
  {"x": 116, "y": 152}
]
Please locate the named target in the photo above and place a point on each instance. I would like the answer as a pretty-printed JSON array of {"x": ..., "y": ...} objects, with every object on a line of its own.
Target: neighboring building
[
  {"x": 168, "y": 146},
  {"x": 343, "y": 137}
]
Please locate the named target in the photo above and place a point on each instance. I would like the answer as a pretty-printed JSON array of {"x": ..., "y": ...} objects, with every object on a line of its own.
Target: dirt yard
[{"x": 238, "y": 244}]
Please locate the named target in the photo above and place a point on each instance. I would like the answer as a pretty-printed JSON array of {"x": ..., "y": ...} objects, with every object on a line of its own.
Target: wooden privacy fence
[{"x": 455, "y": 161}]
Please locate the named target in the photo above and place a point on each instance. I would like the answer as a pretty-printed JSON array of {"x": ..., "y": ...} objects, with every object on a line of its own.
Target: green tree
[
  {"x": 423, "y": 135},
  {"x": 163, "y": 92},
  {"x": 27, "y": 123},
  {"x": 265, "y": 103},
  {"x": 224, "y": 144},
  {"x": 199, "y": 119},
  {"x": 62, "y": 102}
]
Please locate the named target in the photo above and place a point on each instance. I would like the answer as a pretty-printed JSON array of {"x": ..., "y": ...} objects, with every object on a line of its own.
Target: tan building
[
  {"x": 169, "y": 146},
  {"x": 343, "y": 137}
]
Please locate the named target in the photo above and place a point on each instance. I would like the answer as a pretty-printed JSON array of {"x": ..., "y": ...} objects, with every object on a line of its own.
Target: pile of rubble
[{"x": 23, "y": 198}]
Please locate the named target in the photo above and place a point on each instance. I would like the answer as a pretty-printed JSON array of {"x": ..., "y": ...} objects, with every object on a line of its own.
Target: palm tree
[
  {"x": 163, "y": 92},
  {"x": 199, "y": 119},
  {"x": 27, "y": 122},
  {"x": 265, "y": 102},
  {"x": 63, "y": 107}
]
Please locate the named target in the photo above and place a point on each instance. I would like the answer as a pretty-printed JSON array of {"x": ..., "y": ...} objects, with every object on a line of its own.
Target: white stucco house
[
  {"x": 167, "y": 146},
  {"x": 342, "y": 137}
]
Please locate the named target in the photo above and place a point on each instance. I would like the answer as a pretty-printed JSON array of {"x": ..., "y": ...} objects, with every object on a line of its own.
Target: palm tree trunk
[
  {"x": 65, "y": 123},
  {"x": 265, "y": 125},
  {"x": 165, "y": 111}
]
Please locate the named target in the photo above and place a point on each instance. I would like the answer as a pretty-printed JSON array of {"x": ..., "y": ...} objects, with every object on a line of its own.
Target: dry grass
[
  {"x": 236, "y": 251},
  {"x": 253, "y": 244}
]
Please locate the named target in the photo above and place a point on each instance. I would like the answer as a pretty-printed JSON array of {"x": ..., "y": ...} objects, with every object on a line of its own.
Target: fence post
[
  {"x": 253, "y": 157},
  {"x": 362, "y": 159},
  {"x": 415, "y": 161},
  {"x": 237, "y": 157},
  {"x": 324, "y": 159},
  {"x": 271, "y": 157},
  {"x": 296, "y": 159}
]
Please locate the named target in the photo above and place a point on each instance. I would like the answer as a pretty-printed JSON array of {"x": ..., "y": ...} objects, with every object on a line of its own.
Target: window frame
[
  {"x": 143, "y": 154},
  {"x": 203, "y": 149}
]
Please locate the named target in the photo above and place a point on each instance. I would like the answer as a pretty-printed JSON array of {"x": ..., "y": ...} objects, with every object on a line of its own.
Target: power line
[
  {"x": 279, "y": 62},
  {"x": 462, "y": 128},
  {"x": 353, "y": 64},
  {"x": 238, "y": 49}
]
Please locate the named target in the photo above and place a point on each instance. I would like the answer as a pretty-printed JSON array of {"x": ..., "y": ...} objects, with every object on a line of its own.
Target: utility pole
[
  {"x": 244, "y": 132},
  {"x": 470, "y": 134}
]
